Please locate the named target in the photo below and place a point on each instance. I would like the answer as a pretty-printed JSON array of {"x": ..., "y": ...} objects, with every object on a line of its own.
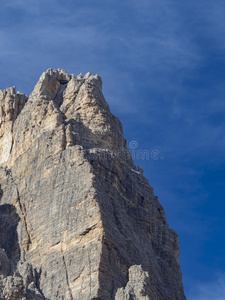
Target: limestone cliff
[{"x": 77, "y": 219}]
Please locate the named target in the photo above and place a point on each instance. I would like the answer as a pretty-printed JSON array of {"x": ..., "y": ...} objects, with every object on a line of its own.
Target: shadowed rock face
[
  {"x": 78, "y": 220},
  {"x": 8, "y": 231}
]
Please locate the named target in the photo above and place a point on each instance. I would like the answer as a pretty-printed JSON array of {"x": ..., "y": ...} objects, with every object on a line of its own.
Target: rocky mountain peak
[
  {"x": 53, "y": 84},
  {"x": 77, "y": 219},
  {"x": 75, "y": 107}
]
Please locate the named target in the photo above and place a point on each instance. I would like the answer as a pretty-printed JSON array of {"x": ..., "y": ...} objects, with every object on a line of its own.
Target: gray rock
[
  {"x": 137, "y": 287},
  {"x": 79, "y": 221},
  {"x": 12, "y": 288},
  {"x": 5, "y": 264}
]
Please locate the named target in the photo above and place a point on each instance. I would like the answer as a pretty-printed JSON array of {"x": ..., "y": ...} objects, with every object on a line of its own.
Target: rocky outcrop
[
  {"x": 138, "y": 286},
  {"x": 11, "y": 104},
  {"x": 78, "y": 220}
]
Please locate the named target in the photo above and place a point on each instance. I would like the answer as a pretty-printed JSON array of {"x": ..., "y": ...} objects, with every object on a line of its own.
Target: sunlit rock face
[{"x": 77, "y": 219}]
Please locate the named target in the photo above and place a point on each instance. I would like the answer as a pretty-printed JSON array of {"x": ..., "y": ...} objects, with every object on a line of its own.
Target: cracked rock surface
[{"x": 78, "y": 220}]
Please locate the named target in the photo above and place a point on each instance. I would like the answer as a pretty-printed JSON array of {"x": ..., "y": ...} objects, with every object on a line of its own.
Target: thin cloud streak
[{"x": 211, "y": 290}]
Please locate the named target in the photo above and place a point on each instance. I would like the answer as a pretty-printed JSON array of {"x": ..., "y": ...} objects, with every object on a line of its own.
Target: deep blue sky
[{"x": 163, "y": 68}]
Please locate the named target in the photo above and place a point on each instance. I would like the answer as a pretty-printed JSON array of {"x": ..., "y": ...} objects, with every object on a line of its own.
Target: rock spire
[{"x": 77, "y": 218}]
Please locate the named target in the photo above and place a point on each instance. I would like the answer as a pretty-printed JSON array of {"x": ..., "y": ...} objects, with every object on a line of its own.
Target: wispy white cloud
[
  {"x": 30, "y": 6},
  {"x": 210, "y": 22},
  {"x": 214, "y": 290}
]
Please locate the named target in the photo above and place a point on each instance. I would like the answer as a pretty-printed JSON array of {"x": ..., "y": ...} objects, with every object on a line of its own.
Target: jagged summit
[
  {"x": 77, "y": 220},
  {"x": 54, "y": 82},
  {"x": 59, "y": 101}
]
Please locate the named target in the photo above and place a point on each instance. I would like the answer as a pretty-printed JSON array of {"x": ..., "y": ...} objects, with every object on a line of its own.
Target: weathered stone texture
[
  {"x": 11, "y": 104},
  {"x": 77, "y": 219}
]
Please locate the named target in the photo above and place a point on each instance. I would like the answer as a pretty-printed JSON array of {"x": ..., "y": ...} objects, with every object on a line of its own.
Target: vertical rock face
[
  {"x": 11, "y": 104},
  {"x": 77, "y": 219}
]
